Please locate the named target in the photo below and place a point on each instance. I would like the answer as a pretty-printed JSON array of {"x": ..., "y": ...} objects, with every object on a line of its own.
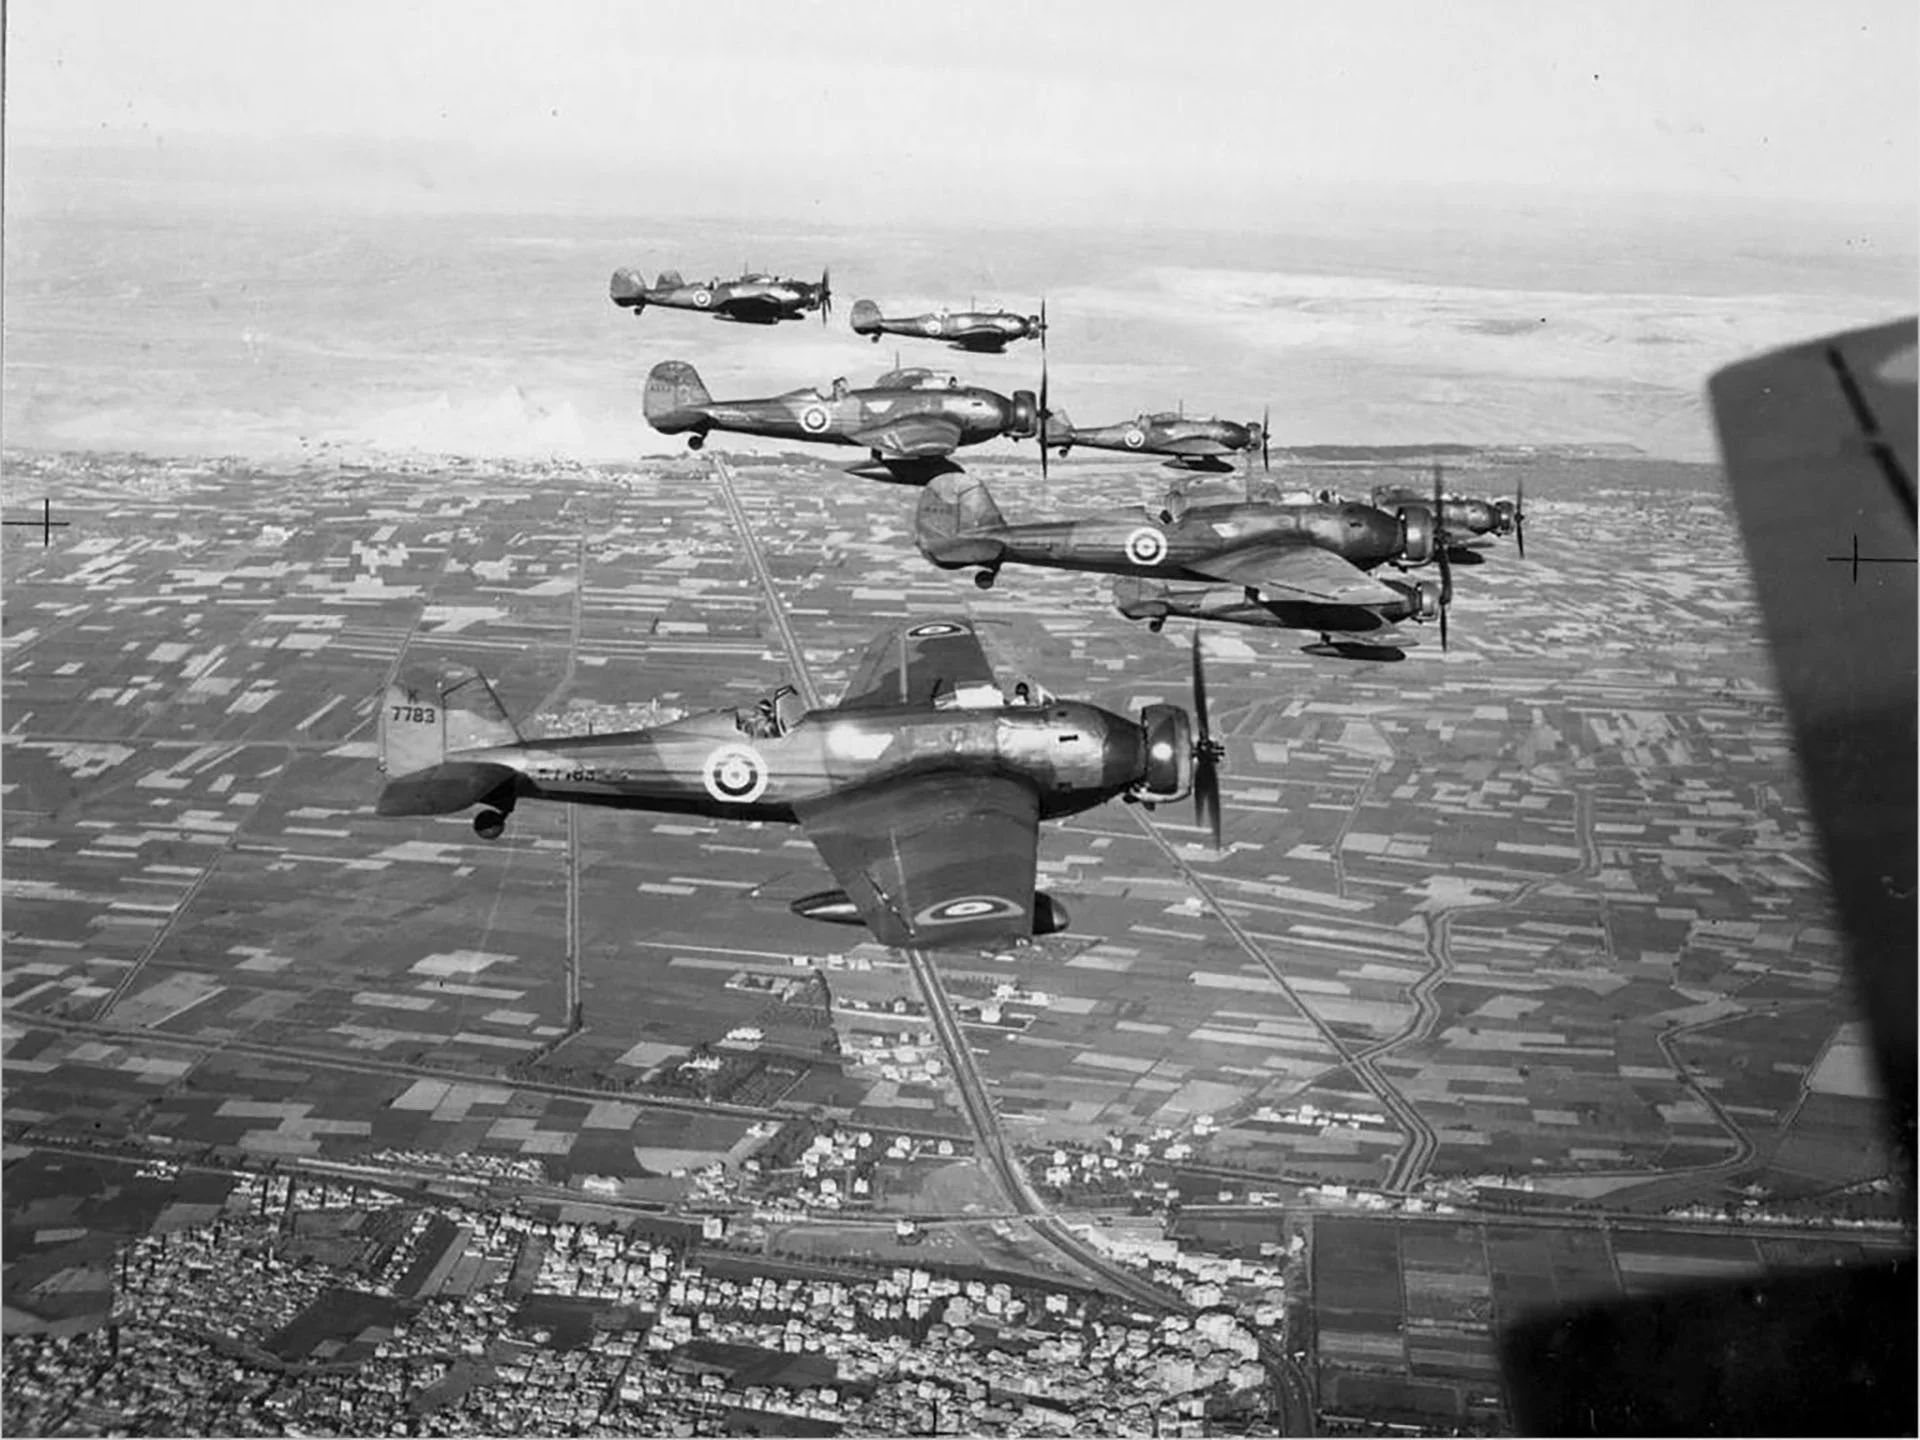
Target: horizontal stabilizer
[{"x": 444, "y": 789}]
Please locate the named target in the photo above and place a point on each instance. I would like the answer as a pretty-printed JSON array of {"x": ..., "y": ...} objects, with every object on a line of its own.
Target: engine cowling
[
  {"x": 1169, "y": 754},
  {"x": 1503, "y": 511},
  {"x": 1025, "y": 421},
  {"x": 1416, "y": 535},
  {"x": 1426, "y": 600}
]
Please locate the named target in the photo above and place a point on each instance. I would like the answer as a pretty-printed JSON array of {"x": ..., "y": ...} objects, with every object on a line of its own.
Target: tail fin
[
  {"x": 1059, "y": 428},
  {"x": 673, "y": 396},
  {"x": 955, "y": 521},
  {"x": 670, "y": 280},
  {"x": 426, "y": 728},
  {"x": 628, "y": 289},
  {"x": 1139, "y": 599},
  {"x": 865, "y": 318}
]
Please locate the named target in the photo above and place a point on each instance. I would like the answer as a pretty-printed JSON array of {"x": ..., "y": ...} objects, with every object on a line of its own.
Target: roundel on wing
[
  {"x": 966, "y": 909},
  {"x": 703, "y": 298},
  {"x": 1146, "y": 546},
  {"x": 933, "y": 628},
  {"x": 735, "y": 774},
  {"x": 813, "y": 419},
  {"x": 1135, "y": 437}
]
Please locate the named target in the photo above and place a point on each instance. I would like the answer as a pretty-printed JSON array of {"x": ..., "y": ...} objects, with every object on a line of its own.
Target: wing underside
[
  {"x": 912, "y": 437},
  {"x": 944, "y": 858},
  {"x": 1296, "y": 572}
]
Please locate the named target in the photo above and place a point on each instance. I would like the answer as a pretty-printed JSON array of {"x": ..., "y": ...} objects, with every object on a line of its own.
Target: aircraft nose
[{"x": 1123, "y": 753}]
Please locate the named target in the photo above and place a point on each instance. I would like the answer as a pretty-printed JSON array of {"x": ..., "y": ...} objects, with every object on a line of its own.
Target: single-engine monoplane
[
  {"x": 911, "y": 421},
  {"x": 753, "y": 299},
  {"x": 923, "y": 789},
  {"x": 1191, "y": 442},
  {"x": 1301, "y": 566},
  {"x": 988, "y": 331},
  {"x": 1461, "y": 520}
]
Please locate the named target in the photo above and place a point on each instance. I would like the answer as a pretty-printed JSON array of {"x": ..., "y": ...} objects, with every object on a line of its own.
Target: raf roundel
[
  {"x": 1146, "y": 546},
  {"x": 1135, "y": 438},
  {"x": 735, "y": 774},
  {"x": 813, "y": 419},
  {"x": 703, "y": 298},
  {"x": 931, "y": 324},
  {"x": 968, "y": 908},
  {"x": 933, "y": 628}
]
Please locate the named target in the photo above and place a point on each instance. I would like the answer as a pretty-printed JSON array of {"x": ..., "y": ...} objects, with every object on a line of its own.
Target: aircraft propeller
[
  {"x": 1266, "y": 435},
  {"x": 1520, "y": 516},
  {"x": 1207, "y": 752},
  {"x": 1441, "y": 552},
  {"x": 826, "y": 293},
  {"x": 1044, "y": 411}
]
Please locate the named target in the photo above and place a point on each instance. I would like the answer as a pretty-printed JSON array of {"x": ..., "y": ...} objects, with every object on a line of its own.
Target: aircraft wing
[
  {"x": 1818, "y": 442},
  {"x": 1191, "y": 445},
  {"x": 909, "y": 664},
  {"x": 1295, "y": 571},
  {"x": 750, "y": 307},
  {"x": 943, "y": 858},
  {"x": 912, "y": 437}
]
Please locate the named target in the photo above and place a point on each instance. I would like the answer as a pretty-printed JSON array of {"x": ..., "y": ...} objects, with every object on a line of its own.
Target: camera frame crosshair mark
[{"x": 46, "y": 523}]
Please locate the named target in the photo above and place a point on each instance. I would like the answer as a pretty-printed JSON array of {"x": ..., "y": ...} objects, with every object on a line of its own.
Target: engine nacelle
[
  {"x": 1416, "y": 534},
  {"x": 1026, "y": 415},
  {"x": 1169, "y": 737},
  {"x": 1426, "y": 600},
  {"x": 1503, "y": 512}
]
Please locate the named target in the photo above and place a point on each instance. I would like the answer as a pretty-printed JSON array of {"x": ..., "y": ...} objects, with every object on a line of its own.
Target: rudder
[
  {"x": 628, "y": 289},
  {"x": 673, "y": 389},
  {"x": 865, "y": 318}
]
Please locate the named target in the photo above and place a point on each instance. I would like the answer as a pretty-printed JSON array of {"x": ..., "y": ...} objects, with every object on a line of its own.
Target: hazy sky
[{"x": 927, "y": 105}]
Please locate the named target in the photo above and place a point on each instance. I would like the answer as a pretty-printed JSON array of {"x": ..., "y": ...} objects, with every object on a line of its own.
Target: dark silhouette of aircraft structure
[
  {"x": 1818, "y": 442},
  {"x": 753, "y": 299},
  {"x": 923, "y": 789}
]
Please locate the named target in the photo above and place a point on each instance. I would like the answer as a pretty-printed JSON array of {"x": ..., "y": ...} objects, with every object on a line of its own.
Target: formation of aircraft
[
  {"x": 753, "y": 299},
  {"x": 923, "y": 789},
  {"x": 911, "y": 421},
  {"x": 986, "y": 332},
  {"x": 1298, "y": 565},
  {"x": 1193, "y": 442}
]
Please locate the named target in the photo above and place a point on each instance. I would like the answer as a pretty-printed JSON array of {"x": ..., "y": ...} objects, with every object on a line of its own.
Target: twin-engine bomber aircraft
[
  {"x": 1195, "y": 442},
  {"x": 986, "y": 332},
  {"x": 750, "y": 299},
  {"x": 1295, "y": 566},
  {"x": 923, "y": 789},
  {"x": 910, "y": 420}
]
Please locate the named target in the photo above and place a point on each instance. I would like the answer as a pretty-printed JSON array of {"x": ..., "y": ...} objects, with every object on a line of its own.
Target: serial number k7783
[{"x": 415, "y": 714}]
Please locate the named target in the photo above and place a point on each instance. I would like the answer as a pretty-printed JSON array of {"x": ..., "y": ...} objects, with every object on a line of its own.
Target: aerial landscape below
[{"x": 1325, "y": 890}]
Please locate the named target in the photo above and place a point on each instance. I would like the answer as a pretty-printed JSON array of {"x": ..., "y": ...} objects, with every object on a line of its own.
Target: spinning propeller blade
[
  {"x": 1207, "y": 752},
  {"x": 826, "y": 293},
  {"x": 1520, "y": 516},
  {"x": 1266, "y": 435}
]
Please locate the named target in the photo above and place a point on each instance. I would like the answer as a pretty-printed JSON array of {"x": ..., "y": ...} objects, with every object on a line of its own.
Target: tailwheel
[
  {"x": 1157, "y": 624},
  {"x": 695, "y": 441},
  {"x": 984, "y": 578},
  {"x": 490, "y": 824}
]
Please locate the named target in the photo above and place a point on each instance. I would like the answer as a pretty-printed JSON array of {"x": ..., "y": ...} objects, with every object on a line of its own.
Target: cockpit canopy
[
  {"x": 916, "y": 377},
  {"x": 773, "y": 715}
]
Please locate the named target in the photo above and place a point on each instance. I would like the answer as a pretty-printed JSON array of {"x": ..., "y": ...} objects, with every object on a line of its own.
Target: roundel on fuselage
[{"x": 1146, "y": 546}]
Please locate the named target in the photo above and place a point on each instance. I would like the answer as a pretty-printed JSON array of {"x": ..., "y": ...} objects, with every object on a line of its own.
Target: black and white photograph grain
[{"x": 911, "y": 718}]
